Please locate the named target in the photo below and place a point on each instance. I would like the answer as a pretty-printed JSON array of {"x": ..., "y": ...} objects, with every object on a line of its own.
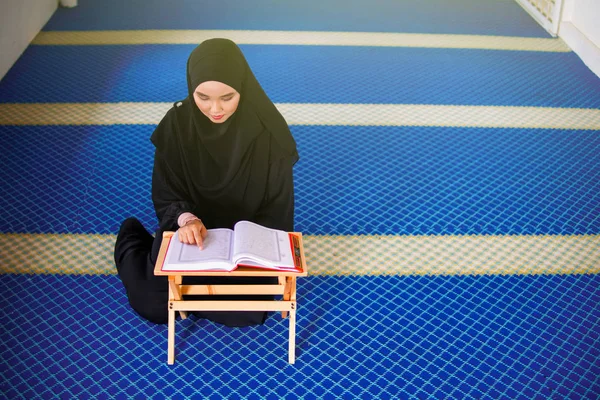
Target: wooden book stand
[{"x": 285, "y": 287}]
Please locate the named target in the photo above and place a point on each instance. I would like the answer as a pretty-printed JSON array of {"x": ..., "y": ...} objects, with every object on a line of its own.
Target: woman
[{"x": 224, "y": 154}]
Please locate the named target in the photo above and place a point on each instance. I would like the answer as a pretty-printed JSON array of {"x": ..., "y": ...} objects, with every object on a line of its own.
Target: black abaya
[{"x": 242, "y": 171}]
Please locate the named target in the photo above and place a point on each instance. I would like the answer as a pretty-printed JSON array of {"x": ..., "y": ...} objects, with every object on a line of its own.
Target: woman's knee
[{"x": 150, "y": 306}]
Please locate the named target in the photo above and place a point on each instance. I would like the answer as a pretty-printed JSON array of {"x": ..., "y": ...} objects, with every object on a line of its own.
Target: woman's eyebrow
[{"x": 205, "y": 95}]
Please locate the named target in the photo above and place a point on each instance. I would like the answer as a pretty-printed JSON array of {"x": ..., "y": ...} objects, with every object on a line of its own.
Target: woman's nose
[{"x": 216, "y": 106}]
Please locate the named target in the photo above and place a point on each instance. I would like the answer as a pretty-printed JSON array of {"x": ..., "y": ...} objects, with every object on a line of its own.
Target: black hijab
[{"x": 222, "y": 167}]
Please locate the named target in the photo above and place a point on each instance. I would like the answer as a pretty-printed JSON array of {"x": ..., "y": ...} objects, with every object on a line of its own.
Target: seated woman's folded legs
[
  {"x": 135, "y": 254},
  {"x": 147, "y": 294}
]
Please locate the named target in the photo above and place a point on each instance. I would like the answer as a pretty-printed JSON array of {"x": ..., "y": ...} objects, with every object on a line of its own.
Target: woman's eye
[{"x": 227, "y": 98}]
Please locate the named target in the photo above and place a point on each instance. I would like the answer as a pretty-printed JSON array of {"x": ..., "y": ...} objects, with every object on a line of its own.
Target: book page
[
  {"x": 249, "y": 262},
  {"x": 216, "y": 249},
  {"x": 255, "y": 240}
]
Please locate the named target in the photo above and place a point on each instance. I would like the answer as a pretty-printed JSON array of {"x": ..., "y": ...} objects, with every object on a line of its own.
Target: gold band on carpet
[
  {"x": 318, "y": 114},
  {"x": 340, "y": 255},
  {"x": 302, "y": 38}
]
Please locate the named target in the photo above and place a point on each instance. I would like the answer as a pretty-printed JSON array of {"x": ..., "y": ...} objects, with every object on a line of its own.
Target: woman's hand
[{"x": 194, "y": 232}]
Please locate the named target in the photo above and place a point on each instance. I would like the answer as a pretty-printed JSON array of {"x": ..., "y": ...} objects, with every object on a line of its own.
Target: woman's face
[{"x": 216, "y": 100}]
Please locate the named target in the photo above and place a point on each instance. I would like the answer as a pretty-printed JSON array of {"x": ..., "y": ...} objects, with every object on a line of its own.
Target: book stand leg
[
  {"x": 290, "y": 296},
  {"x": 174, "y": 295}
]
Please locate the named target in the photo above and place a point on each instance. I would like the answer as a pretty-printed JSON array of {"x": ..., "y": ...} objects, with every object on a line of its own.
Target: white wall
[
  {"x": 20, "y": 21},
  {"x": 580, "y": 29}
]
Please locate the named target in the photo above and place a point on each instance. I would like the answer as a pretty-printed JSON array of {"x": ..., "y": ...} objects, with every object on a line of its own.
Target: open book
[{"x": 248, "y": 244}]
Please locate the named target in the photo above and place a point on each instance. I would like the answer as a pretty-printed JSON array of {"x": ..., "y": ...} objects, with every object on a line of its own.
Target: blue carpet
[
  {"x": 488, "y": 17},
  {"x": 516, "y": 337},
  {"x": 350, "y": 180},
  {"x": 418, "y": 337},
  {"x": 310, "y": 74}
]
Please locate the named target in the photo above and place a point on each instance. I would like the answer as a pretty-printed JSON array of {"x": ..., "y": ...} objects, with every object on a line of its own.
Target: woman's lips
[{"x": 217, "y": 117}]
